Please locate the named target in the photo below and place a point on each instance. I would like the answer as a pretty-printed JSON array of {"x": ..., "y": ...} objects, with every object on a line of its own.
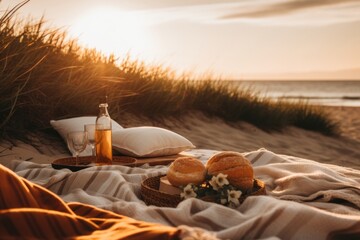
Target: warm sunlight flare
[{"x": 112, "y": 31}]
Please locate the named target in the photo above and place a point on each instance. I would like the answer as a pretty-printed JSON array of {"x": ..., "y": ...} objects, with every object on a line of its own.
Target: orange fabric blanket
[{"x": 29, "y": 211}]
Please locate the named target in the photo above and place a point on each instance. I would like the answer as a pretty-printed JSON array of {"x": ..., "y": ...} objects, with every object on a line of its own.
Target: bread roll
[
  {"x": 236, "y": 166},
  {"x": 185, "y": 170}
]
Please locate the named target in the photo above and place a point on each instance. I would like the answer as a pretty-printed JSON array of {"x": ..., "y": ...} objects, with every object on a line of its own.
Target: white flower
[
  {"x": 188, "y": 192},
  {"x": 214, "y": 183},
  {"x": 233, "y": 197},
  {"x": 223, "y": 201},
  {"x": 218, "y": 181},
  {"x": 221, "y": 180}
]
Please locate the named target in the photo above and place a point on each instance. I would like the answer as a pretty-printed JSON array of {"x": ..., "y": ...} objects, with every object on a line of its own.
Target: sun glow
[{"x": 112, "y": 31}]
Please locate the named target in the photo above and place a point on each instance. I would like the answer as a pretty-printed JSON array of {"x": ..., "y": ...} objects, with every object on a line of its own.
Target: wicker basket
[{"x": 152, "y": 196}]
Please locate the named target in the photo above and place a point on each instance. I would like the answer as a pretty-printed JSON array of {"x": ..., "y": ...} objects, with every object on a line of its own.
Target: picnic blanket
[{"x": 305, "y": 199}]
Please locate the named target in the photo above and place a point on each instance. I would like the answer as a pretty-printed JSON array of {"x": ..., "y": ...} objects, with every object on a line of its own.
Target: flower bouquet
[{"x": 214, "y": 189}]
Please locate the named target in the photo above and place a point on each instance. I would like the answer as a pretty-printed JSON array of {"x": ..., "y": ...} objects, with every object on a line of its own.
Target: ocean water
[{"x": 330, "y": 93}]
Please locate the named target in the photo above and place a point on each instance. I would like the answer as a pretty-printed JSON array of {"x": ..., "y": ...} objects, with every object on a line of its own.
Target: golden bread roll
[
  {"x": 185, "y": 170},
  {"x": 237, "y": 168}
]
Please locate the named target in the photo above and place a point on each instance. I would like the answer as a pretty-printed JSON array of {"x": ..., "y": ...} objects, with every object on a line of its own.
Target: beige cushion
[
  {"x": 149, "y": 142},
  {"x": 64, "y": 126}
]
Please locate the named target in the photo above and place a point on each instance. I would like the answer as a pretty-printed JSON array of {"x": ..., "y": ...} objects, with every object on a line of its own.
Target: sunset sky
[{"x": 244, "y": 39}]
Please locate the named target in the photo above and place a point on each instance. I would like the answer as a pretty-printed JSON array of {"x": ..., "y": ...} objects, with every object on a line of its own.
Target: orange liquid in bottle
[{"x": 103, "y": 146}]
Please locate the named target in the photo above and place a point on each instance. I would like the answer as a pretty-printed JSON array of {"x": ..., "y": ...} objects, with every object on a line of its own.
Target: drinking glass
[
  {"x": 77, "y": 142},
  {"x": 90, "y": 129}
]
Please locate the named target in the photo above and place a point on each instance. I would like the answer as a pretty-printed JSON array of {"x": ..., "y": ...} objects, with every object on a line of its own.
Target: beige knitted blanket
[{"x": 306, "y": 199}]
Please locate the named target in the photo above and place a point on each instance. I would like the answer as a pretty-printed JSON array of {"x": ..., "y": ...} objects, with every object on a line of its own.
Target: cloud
[
  {"x": 259, "y": 12},
  {"x": 164, "y": 4},
  {"x": 283, "y": 8}
]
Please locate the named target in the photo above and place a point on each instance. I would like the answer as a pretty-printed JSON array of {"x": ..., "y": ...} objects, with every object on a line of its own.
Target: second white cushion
[{"x": 149, "y": 142}]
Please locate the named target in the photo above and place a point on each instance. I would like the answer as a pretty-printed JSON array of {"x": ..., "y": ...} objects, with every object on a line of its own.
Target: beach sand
[{"x": 213, "y": 133}]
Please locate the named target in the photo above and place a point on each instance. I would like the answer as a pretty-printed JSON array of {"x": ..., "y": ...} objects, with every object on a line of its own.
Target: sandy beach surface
[{"x": 212, "y": 133}]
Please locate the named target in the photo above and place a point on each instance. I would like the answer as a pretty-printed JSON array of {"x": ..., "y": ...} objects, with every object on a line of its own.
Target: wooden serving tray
[{"x": 90, "y": 161}]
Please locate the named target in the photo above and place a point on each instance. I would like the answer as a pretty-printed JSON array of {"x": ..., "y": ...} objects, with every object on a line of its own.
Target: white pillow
[
  {"x": 64, "y": 126},
  {"x": 149, "y": 142}
]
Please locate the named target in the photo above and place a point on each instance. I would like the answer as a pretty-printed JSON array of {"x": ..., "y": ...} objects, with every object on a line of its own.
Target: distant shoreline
[
  {"x": 293, "y": 80},
  {"x": 327, "y": 93}
]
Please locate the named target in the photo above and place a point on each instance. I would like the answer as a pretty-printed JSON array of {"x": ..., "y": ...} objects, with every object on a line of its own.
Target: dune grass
[{"x": 44, "y": 75}]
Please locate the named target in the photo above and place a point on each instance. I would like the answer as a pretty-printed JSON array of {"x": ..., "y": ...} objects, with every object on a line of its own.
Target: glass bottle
[{"x": 103, "y": 136}]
